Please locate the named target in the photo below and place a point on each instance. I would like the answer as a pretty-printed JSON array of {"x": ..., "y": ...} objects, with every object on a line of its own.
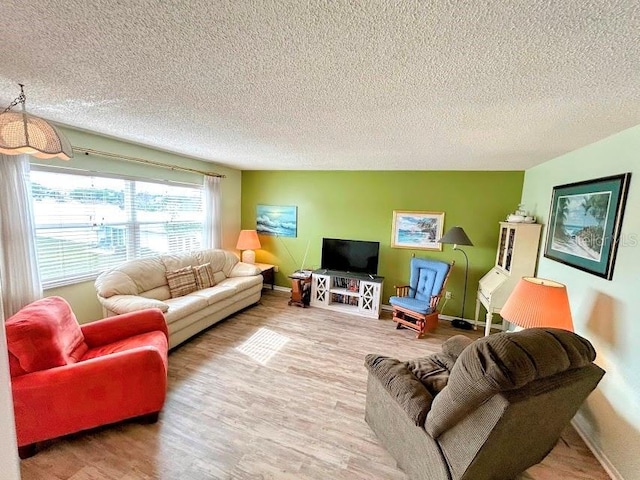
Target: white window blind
[{"x": 86, "y": 224}]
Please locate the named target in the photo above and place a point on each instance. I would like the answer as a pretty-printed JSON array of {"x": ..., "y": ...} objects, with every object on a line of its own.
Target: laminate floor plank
[{"x": 273, "y": 392}]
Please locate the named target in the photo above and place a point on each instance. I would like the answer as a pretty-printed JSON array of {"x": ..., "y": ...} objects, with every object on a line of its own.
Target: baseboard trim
[{"x": 611, "y": 470}]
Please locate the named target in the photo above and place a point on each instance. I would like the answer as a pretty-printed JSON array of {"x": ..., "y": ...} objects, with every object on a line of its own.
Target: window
[{"x": 86, "y": 223}]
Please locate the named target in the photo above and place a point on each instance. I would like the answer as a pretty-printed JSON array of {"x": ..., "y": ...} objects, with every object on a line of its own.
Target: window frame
[{"x": 130, "y": 226}]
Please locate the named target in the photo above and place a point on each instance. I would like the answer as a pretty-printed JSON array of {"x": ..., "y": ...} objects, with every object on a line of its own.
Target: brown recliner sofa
[{"x": 484, "y": 409}]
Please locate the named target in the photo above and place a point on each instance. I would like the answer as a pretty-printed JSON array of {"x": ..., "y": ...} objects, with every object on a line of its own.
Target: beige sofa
[{"x": 139, "y": 284}]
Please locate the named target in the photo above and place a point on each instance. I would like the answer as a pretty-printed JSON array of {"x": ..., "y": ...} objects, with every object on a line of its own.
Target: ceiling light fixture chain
[{"x": 20, "y": 99}]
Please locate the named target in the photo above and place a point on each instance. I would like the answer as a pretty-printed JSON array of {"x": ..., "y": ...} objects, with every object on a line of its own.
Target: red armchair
[{"x": 67, "y": 378}]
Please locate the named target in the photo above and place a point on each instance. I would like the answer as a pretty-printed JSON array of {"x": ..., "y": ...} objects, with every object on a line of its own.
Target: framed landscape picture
[
  {"x": 417, "y": 230},
  {"x": 584, "y": 223},
  {"x": 277, "y": 220}
]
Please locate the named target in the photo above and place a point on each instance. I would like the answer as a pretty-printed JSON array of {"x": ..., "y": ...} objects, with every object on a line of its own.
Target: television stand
[{"x": 354, "y": 293}]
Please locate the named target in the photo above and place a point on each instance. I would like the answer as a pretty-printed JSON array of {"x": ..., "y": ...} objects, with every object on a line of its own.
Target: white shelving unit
[{"x": 356, "y": 294}]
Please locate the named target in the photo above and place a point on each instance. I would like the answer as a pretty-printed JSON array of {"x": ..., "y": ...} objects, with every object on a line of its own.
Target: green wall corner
[{"x": 359, "y": 205}]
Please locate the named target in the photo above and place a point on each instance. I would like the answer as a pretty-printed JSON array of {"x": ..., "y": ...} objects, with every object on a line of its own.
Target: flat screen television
[{"x": 354, "y": 256}]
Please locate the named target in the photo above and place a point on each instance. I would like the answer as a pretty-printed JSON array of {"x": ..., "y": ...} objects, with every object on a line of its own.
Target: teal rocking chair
[{"x": 415, "y": 305}]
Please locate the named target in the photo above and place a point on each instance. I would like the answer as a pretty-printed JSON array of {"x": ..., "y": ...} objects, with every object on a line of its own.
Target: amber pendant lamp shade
[
  {"x": 21, "y": 133},
  {"x": 248, "y": 241},
  {"x": 538, "y": 302}
]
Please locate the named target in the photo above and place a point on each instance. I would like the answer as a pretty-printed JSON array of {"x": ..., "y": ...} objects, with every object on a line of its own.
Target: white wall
[
  {"x": 605, "y": 312},
  {"x": 9, "y": 462}
]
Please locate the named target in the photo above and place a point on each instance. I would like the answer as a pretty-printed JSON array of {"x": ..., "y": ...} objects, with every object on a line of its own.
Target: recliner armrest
[
  {"x": 454, "y": 346},
  {"x": 113, "y": 329},
  {"x": 402, "y": 385}
]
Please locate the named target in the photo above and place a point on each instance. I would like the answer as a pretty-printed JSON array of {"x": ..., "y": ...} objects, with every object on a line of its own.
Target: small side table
[
  {"x": 300, "y": 290},
  {"x": 267, "y": 271}
]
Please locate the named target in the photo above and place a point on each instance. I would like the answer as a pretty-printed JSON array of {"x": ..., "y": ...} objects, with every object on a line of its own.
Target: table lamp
[
  {"x": 457, "y": 236},
  {"x": 248, "y": 241},
  {"x": 538, "y": 302}
]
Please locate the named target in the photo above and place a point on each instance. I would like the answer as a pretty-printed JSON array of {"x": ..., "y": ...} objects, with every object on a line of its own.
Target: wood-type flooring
[{"x": 273, "y": 392}]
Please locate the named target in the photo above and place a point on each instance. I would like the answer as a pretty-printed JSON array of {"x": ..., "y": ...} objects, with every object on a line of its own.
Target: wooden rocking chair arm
[{"x": 402, "y": 290}]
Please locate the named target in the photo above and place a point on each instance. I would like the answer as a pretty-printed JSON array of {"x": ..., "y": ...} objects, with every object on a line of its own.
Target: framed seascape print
[
  {"x": 277, "y": 220},
  {"x": 417, "y": 230},
  {"x": 584, "y": 223}
]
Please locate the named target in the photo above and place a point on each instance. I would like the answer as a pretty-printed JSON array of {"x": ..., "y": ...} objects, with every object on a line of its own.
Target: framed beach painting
[
  {"x": 584, "y": 223},
  {"x": 277, "y": 220},
  {"x": 417, "y": 230}
]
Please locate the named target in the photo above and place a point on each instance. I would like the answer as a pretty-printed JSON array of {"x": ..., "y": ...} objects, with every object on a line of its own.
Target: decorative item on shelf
[
  {"x": 538, "y": 302},
  {"x": 520, "y": 216},
  {"x": 457, "y": 236},
  {"x": 248, "y": 241},
  {"x": 22, "y": 133}
]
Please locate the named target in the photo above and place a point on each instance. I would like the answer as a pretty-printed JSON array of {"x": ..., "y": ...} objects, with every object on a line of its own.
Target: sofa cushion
[
  {"x": 132, "y": 277},
  {"x": 205, "y": 276},
  {"x": 181, "y": 282},
  {"x": 402, "y": 385},
  {"x": 180, "y": 307},
  {"x": 241, "y": 283},
  {"x": 160, "y": 293},
  {"x": 45, "y": 334},
  {"x": 215, "y": 294},
  {"x": 220, "y": 260}
]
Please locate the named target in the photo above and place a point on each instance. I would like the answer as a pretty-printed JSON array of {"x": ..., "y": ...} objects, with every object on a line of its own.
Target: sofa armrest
[
  {"x": 86, "y": 394},
  {"x": 242, "y": 269},
  {"x": 113, "y": 329},
  {"x": 402, "y": 385},
  {"x": 120, "y": 304}
]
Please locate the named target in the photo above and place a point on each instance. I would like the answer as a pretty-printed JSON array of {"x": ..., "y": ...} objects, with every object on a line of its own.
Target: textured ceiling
[{"x": 318, "y": 84}]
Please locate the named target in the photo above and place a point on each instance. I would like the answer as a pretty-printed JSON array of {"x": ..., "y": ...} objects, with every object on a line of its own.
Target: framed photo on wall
[
  {"x": 584, "y": 223},
  {"x": 417, "y": 230},
  {"x": 277, "y": 220}
]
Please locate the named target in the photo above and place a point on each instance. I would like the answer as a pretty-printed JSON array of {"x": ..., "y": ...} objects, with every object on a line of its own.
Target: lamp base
[
  {"x": 463, "y": 324},
  {"x": 249, "y": 256}
]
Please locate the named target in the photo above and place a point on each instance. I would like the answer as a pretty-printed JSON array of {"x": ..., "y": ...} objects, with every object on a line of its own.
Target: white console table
[{"x": 355, "y": 293}]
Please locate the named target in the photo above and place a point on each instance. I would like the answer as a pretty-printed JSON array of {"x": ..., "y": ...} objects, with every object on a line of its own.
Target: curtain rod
[{"x": 90, "y": 151}]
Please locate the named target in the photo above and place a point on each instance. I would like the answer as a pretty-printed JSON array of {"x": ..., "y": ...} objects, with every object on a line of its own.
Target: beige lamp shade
[
  {"x": 248, "y": 241},
  {"x": 21, "y": 133},
  {"x": 538, "y": 302}
]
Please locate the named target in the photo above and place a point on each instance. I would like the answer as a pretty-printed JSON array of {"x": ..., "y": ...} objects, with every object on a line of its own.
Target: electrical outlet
[
  {"x": 447, "y": 295},
  {"x": 276, "y": 268}
]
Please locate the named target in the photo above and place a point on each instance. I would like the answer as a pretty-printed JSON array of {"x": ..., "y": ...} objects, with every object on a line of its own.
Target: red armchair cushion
[
  {"x": 157, "y": 340},
  {"x": 44, "y": 334}
]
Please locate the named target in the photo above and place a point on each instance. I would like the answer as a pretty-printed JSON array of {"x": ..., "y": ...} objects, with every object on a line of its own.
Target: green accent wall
[{"x": 359, "y": 205}]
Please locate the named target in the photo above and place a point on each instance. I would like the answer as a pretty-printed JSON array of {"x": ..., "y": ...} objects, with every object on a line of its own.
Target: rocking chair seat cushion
[{"x": 418, "y": 306}]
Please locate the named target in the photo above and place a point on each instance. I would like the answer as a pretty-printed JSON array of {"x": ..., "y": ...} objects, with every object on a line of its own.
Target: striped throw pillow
[
  {"x": 181, "y": 282},
  {"x": 204, "y": 276}
]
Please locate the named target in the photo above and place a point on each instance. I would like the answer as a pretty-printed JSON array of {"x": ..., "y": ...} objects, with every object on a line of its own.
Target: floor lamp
[{"x": 457, "y": 236}]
